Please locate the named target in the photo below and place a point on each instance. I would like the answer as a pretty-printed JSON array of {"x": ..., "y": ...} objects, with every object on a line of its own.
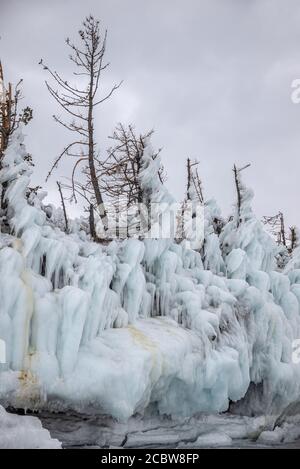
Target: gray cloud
[{"x": 213, "y": 77}]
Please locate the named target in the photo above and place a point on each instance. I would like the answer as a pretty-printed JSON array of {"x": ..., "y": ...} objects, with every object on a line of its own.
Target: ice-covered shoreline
[
  {"x": 24, "y": 432},
  {"x": 151, "y": 431},
  {"x": 142, "y": 323}
]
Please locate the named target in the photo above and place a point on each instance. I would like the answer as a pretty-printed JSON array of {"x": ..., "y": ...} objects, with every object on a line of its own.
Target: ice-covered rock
[{"x": 210, "y": 440}]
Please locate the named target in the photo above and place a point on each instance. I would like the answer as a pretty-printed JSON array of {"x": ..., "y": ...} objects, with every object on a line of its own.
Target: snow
[
  {"x": 24, "y": 432},
  {"x": 143, "y": 323}
]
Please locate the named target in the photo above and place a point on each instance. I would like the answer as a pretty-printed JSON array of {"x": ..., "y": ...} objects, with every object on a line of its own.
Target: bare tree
[
  {"x": 194, "y": 183},
  {"x": 79, "y": 103},
  {"x": 239, "y": 189},
  {"x": 119, "y": 173},
  {"x": 276, "y": 227}
]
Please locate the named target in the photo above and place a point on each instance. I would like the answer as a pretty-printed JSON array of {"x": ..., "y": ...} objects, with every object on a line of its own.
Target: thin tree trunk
[
  {"x": 92, "y": 224},
  {"x": 93, "y": 174},
  {"x": 293, "y": 238},
  {"x": 282, "y": 229},
  {"x": 238, "y": 190},
  {"x": 189, "y": 175},
  {"x": 64, "y": 207}
]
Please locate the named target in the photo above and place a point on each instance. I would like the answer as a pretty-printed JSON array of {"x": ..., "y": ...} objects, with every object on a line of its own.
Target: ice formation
[
  {"x": 143, "y": 324},
  {"x": 20, "y": 432}
]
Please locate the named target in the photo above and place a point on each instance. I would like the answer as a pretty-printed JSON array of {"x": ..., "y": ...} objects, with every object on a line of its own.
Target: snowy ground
[{"x": 214, "y": 431}]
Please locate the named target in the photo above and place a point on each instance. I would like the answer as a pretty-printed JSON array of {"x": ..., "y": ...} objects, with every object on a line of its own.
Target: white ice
[
  {"x": 142, "y": 324},
  {"x": 24, "y": 432}
]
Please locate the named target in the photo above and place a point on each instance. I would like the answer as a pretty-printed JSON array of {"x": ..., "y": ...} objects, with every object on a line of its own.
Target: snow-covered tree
[
  {"x": 276, "y": 225},
  {"x": 10, "y": 117},
  {"x": 10, "y": 120},
  {"x": 294, "y": 238},
  {"x": 119, "y": 173},
  {"x": 244, "y": 242},
  {"x": 213, "y": 224}
]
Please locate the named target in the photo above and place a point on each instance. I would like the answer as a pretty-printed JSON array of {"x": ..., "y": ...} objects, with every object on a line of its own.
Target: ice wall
[{"x": 142, "y": 323}]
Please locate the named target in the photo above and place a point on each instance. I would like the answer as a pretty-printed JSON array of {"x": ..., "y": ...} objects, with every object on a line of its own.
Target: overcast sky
[{"x": 212, "y": 77}]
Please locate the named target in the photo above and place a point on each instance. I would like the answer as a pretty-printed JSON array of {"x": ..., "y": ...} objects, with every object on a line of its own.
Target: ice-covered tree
[
  {"x": 191, "y": 220},
  {"x": 194, "y": 191},
  {"x": 119, "y": 173},
  {"x": 10, "y": 120},
  {"x": 15, "y": 175},
  {"x": 209, "y": 222},
  {"x": 10, "y": 117},
  {"x": 213, "y": 225},
  {"x": 244, "y": 242},
  {"x": 276, "y": 227},
  {"x": 155, "y": 198},
  {"x": 294, "y": 238}
]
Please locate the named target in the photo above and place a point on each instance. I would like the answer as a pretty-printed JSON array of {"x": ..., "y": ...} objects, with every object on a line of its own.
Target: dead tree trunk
[
  {"x": 194, "y": 181},
  {"x": 238, "y": 186},
  {"x": 79, "y": 103},
  {"x": 189, "y": 177},
  {"x": 293, "y": 238},
  {"x": 63, "y": 207},
  {"x": 238, "y": 191},
  {"x": 91, "y": 155},
  {"x": 6, "y": 112},
  {"x": 282, "y": 229},
  {"x": 92, "y": 223}
]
